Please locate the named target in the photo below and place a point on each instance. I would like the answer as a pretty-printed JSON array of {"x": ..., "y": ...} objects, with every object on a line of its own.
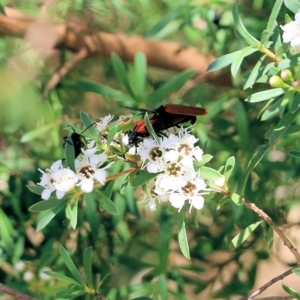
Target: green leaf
[
  {"x": 121, "y": 73},
  {"x": 112, "y": 132},
  {"x": 270, "y": 238},
  {"x": 210, "y": 174},
  {"x": 257, "y": 157},
  {"x": 182, "y": 236},
  {"x": 142, "y": 178},
  {"x": 243, "y": 235},
  {"x": 173, "y": 84},
  {"x": 272, "y": 22},
  {"x": 109, "y": 189},
  {"x": 70, "y": 265},
  {"x": 296, "y": 271},
  {"x": 7, "y": 231},
  {"x": 247, "y": 37},
  {"x": 70, "y": 153},
  {"x": 265, "y": 95},
  {"x": 237, "y": 199},
  {"x": 242, "y": 125},
  {"x": 33, "y": 134},
  {"x": 49, "y": 215},
  {"x": 292, "y": 129},
  {"x": 87, "y": 264},
  {"x": 222, "y": 202},
  {"x": 222, "y": 61},
  {"x": 157, "y": 27},
  {"x": 295, "y": 103},
  {"x": 140, "y": 67},
  {"x": 36, "y": 189},
  {"x": 163, "y": 287},
  {"x": 271, "y": 111},
  {"x": 229, "y": 166},
  {"x": 255, "y": 74},
  {"x": 106, "y": 203},
  {"x": 72, "y": 213},
  {"x": 91, "y": 213},
  {"x": 150, "y": 129},
  {"x": 62, "y": 277},
  {"x": 294, "y": 153},
  {"x": 291, "y": 292},
  {"x": 44, "y": 205},
  {"x": 292, "y": 5},
  {"x": 88, "y": 123},
  {"x": 103, "y": 90},
  {"x": 236, "y": 64}
]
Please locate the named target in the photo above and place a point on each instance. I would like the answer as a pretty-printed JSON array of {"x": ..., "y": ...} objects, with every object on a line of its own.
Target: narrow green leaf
[
  {"x": 247, "y": 37},
  {"x": 295, "y": 102},
  {"x": 163, "y": 287},
  {"x": 33, "y": 134},
  {"x": 291, "y": 292},
  {"x": 36, "y": 189},
  {"x": 87, "y": 264},
  {"x": 272, "y": 22},
  {"x": 257, "y": 157},
  {"x": 255, "y": 73},
  {"x": 272, "y": 110},
  {"x": 296, "y": 271},
  {"x": 142, "y": 178},
  {"x": 164, "y": 21},
  {"x": 109, "y": 189},
  {"x": 243, "y": 235},
  {"x": 294, "y": 153},
  {"x": 62, "y": 277},
  {"x": 242, "y": 125},
  {"x": 112, "y": 132},
  {"x": 292, "y": 129},
  {"x": 7, "y": 231},
  {"x": 173, "y": 84},
  {"x": 121, "y": 73},
  {"x": 70, "y": 265},
  {"x": 222, "y": 61},
  {"x": 91, "y": 213},
  {"x": 229, "y": 166},
  {"x": 49, "y": 215},
  {"x": 150, "y": 129},
  {"x": 182, "y": 236},
  {"x": 70, "y": 153},
  {"x": 237, "y": 199},
  {"x": 44, "y": 205},
  {"x": 140, "y": 67},
  {"x": 106, "y": 203},
  {"x": 292, "y": 5},
  {"x": 103, "y": 90},
  {"x": 222, "y": 202},
  {"x": 72, "y": 213},
  {"x": 265, "y": 95},
  {"x": 236, "y": 64},
  {"x": 88, "y": 123},
  {"x": 270, "y": 238},
  {"x": 210, "y": 174}
]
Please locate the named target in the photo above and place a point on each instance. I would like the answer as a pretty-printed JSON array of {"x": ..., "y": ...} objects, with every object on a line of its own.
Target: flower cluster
[
  {"x": 63, "y": 180},
  {"x": 291, "y": 34},
  {"x": 173, "y": 157}
]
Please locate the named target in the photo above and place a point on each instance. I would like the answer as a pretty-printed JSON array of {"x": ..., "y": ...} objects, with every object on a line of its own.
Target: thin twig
[
  {"x": 63, "y": 71},
  {"x": 268, "y": 284},
  {"x": 17, "y": 295},
  {"x": 268, "y": 220}
]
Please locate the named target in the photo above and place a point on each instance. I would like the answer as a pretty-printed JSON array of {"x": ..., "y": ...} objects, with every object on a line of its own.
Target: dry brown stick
[
  {"x": 60, "y": 73},
  {"x": 17, "y": 295},
  {"x": 163, "y": 54},
  {"x": 268, "y": 220},
  {"x": 268, "y": 284}
]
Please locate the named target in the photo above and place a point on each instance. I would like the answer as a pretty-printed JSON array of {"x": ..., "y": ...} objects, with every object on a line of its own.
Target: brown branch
[
  {"x": 163, "y": 54},
  {"x": 268, "y": 220},
  {"x": 268, "y": 284},
  {"x": 17, "y": 295}
]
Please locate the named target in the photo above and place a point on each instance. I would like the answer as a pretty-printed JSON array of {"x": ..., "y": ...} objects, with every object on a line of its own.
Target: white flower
[
  {"x": 43, "y": 275},
  {"x": 57, "y": 178},
  {"x": 151, "y": 155},
  {"x": 102, "y": 124},
  {"x": 291, "y": 34},
  {"x": 28, "y": 276},
  {"x": 20, "y": 265},
  {"x": 191, "y": 191},
  {"x": 87, "y": 168}
]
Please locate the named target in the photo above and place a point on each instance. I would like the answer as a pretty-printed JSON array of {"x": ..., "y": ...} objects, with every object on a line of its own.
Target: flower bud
[
  {"x": 286, "y": 75},
  {"x": 295, "y": 83},
  {"x": 125, "y": 122},
  {"x": 276, "y": 81}
]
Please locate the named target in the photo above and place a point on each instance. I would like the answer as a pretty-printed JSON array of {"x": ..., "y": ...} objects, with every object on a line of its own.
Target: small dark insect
[
  {"x": 164, "y": 117},
  {"x": 76, "y": 142}
]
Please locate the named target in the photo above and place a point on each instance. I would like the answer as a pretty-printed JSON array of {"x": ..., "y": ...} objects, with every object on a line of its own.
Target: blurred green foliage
[{"x": 137, "y": 248}]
